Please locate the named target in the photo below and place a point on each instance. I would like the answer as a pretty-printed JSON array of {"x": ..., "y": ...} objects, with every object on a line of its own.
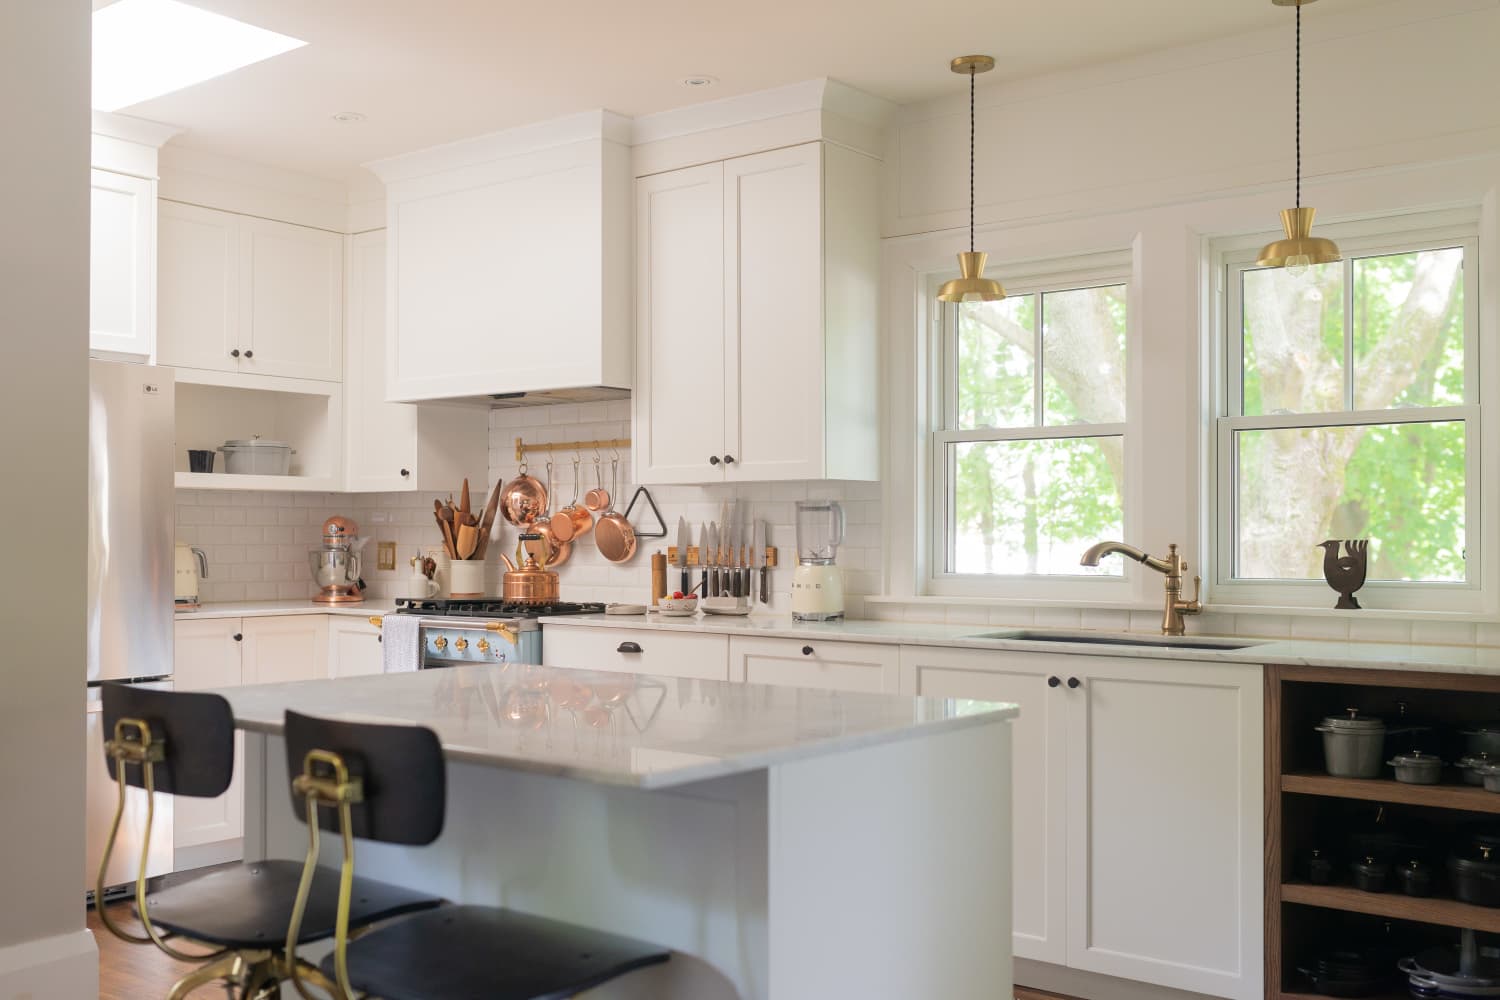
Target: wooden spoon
[
  {"x": 447, "y": 533},
  {"x": 468, "y": 541},
  {"x": 463, "y": 498},
  {"x": 487, "y": 522}
]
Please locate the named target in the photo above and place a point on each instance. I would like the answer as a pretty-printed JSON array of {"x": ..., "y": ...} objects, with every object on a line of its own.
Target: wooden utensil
[
  {"x": 468, "y": 541},
  {"x": 447, "y": 534},
  {"x": 463, "y": 498},
  {"x": 487, "y": 521}
]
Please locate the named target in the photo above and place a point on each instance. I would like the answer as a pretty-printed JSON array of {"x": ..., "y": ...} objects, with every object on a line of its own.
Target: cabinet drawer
[
  {"x": 840, "y": 666},
  {"x": 637, "y": 651}
]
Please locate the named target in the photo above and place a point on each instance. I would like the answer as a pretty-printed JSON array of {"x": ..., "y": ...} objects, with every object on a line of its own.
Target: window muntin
[
  {"x": 1352, "y": 412},
  {"x": 1029, "y": 453}
]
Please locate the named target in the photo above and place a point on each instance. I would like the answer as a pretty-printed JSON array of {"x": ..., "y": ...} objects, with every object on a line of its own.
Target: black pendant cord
[
  {"x": 1299, "y": 105},
  {"x": 971, "y": 158}
]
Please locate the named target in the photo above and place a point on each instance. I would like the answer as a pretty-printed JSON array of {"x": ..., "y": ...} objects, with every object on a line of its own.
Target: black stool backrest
[
  {"x": 400, "y": 767},
  {"x": 198, "y": 729}
]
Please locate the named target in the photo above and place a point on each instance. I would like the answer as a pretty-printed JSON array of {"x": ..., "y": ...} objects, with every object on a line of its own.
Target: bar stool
[
  {"x": 385, "y": 783},
  {"x": 183, "y": 744}
]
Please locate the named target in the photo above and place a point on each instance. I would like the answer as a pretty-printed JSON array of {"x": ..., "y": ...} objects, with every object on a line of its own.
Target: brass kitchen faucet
[{"x": 1172, "y": 567}]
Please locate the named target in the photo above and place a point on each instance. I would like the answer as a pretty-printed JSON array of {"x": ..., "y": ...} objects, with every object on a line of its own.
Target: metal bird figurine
[{"x": 1345, "y": 574}]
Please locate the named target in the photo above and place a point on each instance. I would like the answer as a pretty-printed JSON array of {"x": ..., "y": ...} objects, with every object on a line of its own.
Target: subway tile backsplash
[{"x": 257, "y": 543}]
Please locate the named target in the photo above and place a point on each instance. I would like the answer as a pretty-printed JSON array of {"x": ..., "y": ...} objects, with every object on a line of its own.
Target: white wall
[
  {"x": 1160, "y": 156},
  {"x": 44, "y": 300}
]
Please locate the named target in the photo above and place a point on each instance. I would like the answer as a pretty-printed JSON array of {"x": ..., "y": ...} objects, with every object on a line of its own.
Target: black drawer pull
[
  {"x": 807, "y": 650},
  {"x": 234, "y": 353},
  {"x": 629, "y": 647},
  {"x": 238, "y": 637},
  {"x": 713, "y": 460},
  {"x": 1053, "y": 682},
  {"x": 249, "y": 354},
  {"x": 1073, "y": 683}
]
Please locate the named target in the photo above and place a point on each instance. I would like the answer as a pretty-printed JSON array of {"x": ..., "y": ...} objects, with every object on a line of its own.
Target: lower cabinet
[
  {"x": 637, "y": 651},
  {"x": 1137, "y": 810},
  {"x": 206, "y": 656},
  {"x": 838, "y": 666},
  {"x": 217, "y": 653},
  {"x": 285, "y": 648},
  {"x": 353, "y": 647}
]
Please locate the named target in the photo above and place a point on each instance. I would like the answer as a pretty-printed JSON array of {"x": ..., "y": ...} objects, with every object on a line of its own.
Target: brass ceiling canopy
[
  {"x": 1300, "y": 249},
  {"x": 972, "y": 285}
]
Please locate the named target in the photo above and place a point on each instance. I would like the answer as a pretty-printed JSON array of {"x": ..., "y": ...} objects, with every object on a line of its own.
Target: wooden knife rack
[{"x": 695, "y": 557}]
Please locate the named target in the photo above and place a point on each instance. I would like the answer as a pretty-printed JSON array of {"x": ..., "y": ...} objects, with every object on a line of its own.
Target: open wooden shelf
[
  {"x": 1430, "y": 910},
  {"x": 287, "y": 484},
  {"x": 1468, "y": 798},
  {"x": 1308, "y": 991}
]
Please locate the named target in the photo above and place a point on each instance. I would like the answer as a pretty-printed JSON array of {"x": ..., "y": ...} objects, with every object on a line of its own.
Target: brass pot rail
[{"x": 612, "y": 444}]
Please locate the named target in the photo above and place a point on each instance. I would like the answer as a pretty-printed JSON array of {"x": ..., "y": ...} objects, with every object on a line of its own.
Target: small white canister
[{"x": 466, "y": 578}]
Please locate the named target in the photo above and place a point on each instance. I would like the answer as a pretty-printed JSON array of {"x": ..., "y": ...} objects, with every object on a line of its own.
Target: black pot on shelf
[
  {"x": 1352, "y": 972},
  {"x": 1415, "y": 877},
  {"x": 1369, "y": 874},
  {"x": 1475, "y": 873},
  {"x": 1318, "y": 867}
]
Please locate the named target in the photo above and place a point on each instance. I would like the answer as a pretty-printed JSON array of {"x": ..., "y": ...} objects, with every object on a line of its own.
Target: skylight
[{"x": 146, "y": 48}]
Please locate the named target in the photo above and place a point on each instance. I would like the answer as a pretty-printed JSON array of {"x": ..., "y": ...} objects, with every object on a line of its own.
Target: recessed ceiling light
[
  {"x": 146, "y": 48},
  {"x": 348, "y": 116},
  {"x": 699, "y": 81}
]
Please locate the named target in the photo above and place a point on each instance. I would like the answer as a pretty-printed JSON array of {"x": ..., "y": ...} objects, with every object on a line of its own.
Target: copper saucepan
[
  {"x": 573, "y": 521},
  {"x": 597, "y": 498},
  {"x": 524, "y": 499},
  {"x": 614, "y": 535}
]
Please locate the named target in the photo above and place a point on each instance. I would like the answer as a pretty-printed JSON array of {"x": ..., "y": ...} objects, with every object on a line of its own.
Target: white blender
[{"x": 817, "y": 584}]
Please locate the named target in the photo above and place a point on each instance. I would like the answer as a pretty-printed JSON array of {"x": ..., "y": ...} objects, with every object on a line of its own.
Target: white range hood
[{"x": 509, "y": 266}]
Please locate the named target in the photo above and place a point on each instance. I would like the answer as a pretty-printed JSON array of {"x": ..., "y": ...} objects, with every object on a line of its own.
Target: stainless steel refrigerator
[{"x": 131, "y": 535}]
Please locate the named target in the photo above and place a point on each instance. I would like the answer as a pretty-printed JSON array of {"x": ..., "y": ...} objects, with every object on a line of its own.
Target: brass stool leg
[{"x": 220, "y": 969}]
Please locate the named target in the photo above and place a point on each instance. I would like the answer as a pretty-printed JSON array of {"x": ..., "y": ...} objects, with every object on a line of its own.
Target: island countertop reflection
[{"x": 635, "y": 730}]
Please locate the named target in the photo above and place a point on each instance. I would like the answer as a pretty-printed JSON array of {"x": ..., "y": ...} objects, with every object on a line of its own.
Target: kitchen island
[{"x": 784, "y": 843}]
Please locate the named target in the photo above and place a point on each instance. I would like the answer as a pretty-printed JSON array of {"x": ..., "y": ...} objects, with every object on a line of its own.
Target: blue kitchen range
[{"x": 456, "y": 631}]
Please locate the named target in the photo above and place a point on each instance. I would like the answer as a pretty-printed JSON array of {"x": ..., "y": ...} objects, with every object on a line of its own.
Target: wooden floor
[{"x": 141, "y": 972}]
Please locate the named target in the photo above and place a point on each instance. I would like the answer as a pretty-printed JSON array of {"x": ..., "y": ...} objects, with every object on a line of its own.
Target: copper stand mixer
[{"x": 335, "y": 564}]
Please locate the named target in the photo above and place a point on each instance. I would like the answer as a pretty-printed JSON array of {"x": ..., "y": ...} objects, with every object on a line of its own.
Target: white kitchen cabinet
[
  {"x": 679, "y": 319},
  {"x": 638, "y": 651},
  {"x": 1039, "y": 872},
  {"x": 794, "y": 335},
  {"x": 814, "y": 663},
  {"x": 206, "y": 654},
  {"x": 354, "y": 648},
  {"x": 285, "y": 648},
  {"x": 122, "y": 265},
  {"x": 1146, "y": 776},
  {"x": 509, "y": 263},
  {"x": 393, "y": 447},
  {"x": 246, "y": 295}
]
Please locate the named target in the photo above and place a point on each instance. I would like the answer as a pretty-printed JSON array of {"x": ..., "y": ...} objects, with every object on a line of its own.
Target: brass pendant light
[
  {"x": 972, "y": 286},
  {"x": 1300, "y": 250}
]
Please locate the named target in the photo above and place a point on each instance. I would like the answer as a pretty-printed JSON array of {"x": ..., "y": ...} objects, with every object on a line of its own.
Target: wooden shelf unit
[
  {"x": 1295, "y": 698},
  {"x": 1449, "y": 795}
]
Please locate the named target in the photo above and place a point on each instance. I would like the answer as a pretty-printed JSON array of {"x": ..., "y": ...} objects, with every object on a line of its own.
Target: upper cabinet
[
  {"x": 509, "y": 263},
  {"x": 122, "y": 236},
  {"x": 247, "y": 295},
  {"x": 392, "y": 447},
  {"x": 757, "y": 344}
]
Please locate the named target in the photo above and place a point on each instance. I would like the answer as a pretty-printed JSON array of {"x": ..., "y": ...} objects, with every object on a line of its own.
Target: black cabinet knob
[
  {"x": 405, "y": 473},
  {"x": 807, "y": 650},
  {"x": 1073, "y": 683},
  {"x": 249, "y": 354},
  {"x": 238, "y": 636},
  {"x": 1053, "y": 682},
  {"x": 628, "y": 647},
  {"x": 713, "y": 460},
  {"x": 728, "y": 459},
  {"x": 234, "y": 353}
]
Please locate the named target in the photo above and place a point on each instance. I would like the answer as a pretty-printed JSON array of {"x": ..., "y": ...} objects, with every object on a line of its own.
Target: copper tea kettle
[{"x": 531, "y": 582}]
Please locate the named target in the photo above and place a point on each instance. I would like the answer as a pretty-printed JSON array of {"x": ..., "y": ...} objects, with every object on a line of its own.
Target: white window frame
[
  {"x": 936, "y": 536},
  {"x": 1401, "y": 234}
]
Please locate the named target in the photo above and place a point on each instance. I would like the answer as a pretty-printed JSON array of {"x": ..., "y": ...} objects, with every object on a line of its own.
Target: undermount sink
[{"x": 1105, "y": 639}]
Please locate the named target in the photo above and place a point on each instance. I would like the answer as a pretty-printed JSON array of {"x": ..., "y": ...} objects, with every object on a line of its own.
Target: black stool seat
[
  {"x": 250, "y": 905},
  {"x": 480, "y": 953}
]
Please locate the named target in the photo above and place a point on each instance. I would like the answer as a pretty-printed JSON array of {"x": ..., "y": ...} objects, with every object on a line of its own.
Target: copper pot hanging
[{"x": 524, "y": 499}]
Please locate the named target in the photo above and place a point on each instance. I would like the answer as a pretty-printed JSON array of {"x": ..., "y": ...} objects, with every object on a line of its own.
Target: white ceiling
[{"x": 432, "y": 71}]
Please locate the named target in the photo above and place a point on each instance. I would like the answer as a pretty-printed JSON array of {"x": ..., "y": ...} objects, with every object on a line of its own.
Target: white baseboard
[
  {"x": 1090, "y": 985},
  {"x": 61, "y": 967}
]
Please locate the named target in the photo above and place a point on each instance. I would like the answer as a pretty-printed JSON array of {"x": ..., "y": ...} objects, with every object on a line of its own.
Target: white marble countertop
[
  {"x": 267, "y": 609},
  {"x": 1284, "y": 652},
  {"x": 611, "y": 728}
]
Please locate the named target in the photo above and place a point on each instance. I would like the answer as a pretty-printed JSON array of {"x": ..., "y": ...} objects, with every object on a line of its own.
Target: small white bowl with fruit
[{"x": 678, "y": 605}]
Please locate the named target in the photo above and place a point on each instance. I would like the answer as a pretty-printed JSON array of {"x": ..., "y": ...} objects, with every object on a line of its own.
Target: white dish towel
[{"x": 401, "y": 643}]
